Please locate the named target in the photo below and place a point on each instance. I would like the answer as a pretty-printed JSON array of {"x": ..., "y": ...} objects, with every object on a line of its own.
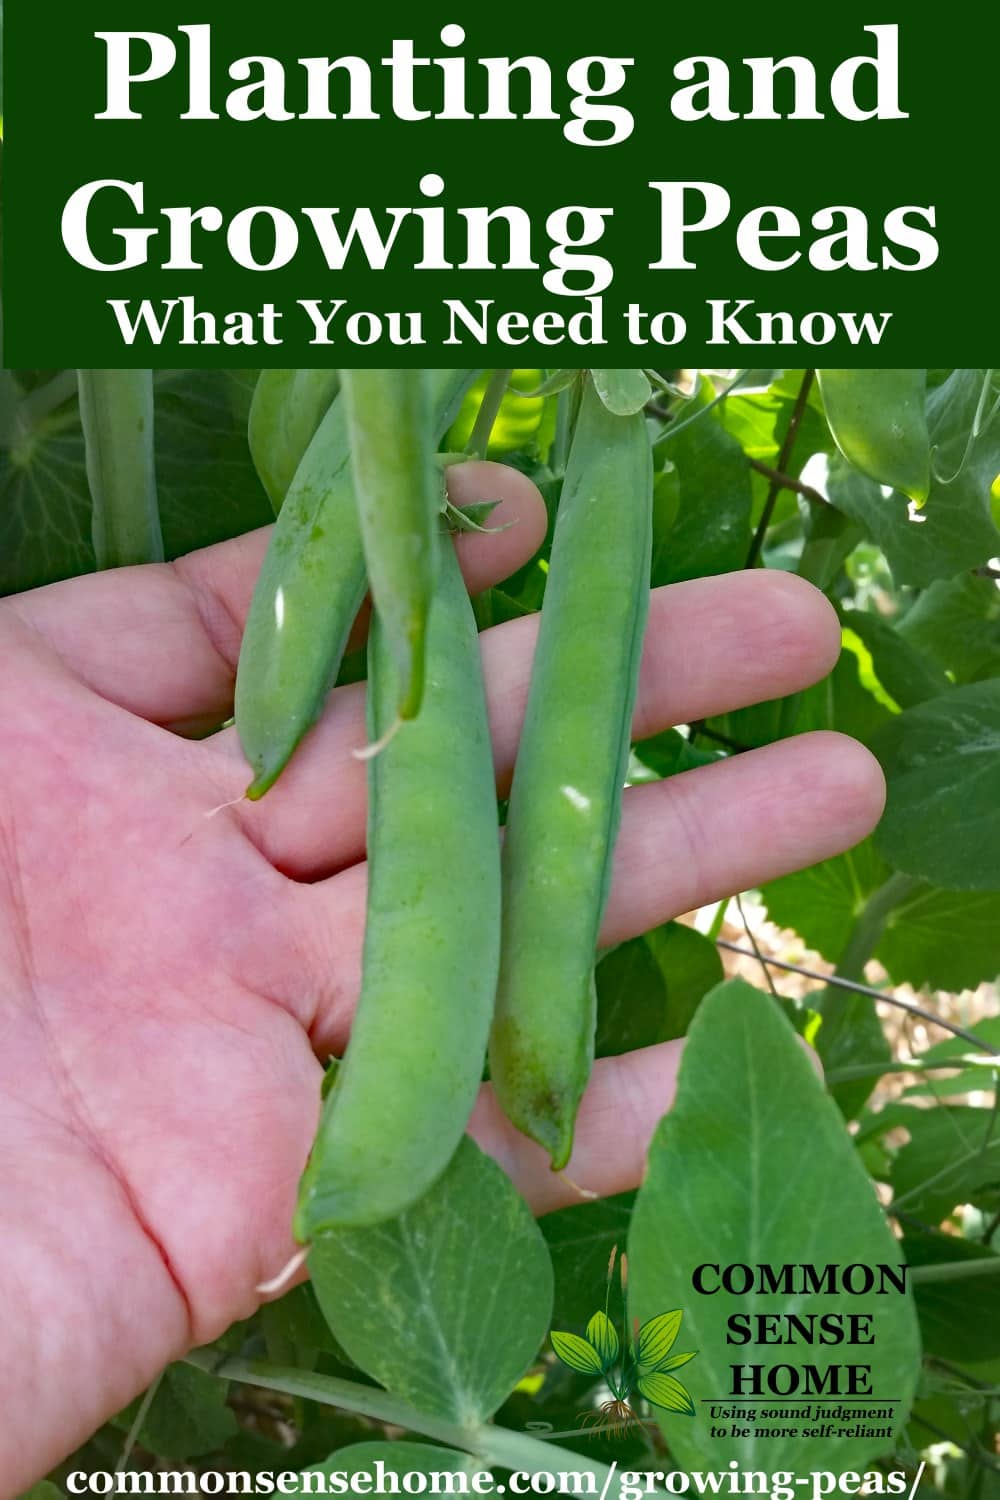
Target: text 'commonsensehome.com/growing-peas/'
[{"x": 615, "y": 1484}]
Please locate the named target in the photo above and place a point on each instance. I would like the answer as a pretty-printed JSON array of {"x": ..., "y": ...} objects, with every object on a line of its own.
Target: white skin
[{"x": 170, "y": 981}]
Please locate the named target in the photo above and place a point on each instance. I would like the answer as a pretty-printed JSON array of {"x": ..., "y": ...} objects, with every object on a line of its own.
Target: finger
[
  {"x": 684, "y": 842},
  {"x": 163, "y": 641},
  {"x": 625, "y": 1100},
  {"x": 712, "y": 645}
]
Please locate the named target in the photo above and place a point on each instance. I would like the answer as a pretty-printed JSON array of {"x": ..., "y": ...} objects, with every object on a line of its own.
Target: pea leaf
[
  {"x": 624, "y": 392},
  {"x": 666, "y": 1391},
  {"x": 946, "y": 939},
  {"x": 577, "y": 1353},
  {"x": 952, "y": 1157},
  {"x": 208, "y": 489},
  {"x": 601, "y": 1332},
  {"x": 649, "y": 988},
  {"x": 753, "y": 1144},
  {"x": 954, "y": 1325},
  {"x": 956, "y": 623},
  {"x": 955, "y": 530},
  {"x": 949, "y": 940},
  {"x": 909, "y": 675},
  {"x": 188, "y": 1415},
  {"x": 942, "y": 765},
  {"x": 823, "y": 902},
  {"x": 712, "y": 531},
  {"x": 580, "y": 1240},
  {"x": 447, "y": 1305},
  {"x": 878, "y": 422}
]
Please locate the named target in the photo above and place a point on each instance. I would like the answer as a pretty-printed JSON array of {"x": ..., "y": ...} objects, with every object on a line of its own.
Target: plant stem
[
  {"x": 47, "y": 398},
  {"x": 479, "y": 438},
  {"x": 116, "y": 408},
  {"x": 786, "y": 482},
  {"x": 866, "y": 989},
  {"x": 870, "y": 924},
  {"x": 784, "y": 458},
  {"x": 494, "y": 1445},
  {"x": 135, "y": 1431},
  {"x": 957, "y": 1270}
]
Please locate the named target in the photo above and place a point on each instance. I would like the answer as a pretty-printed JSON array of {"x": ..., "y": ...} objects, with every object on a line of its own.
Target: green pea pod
[
  {"x": 116, "y": 409},
  {"x": 566, "y": 797},
  {"x": 878, "y": 422},
  {"x": 287, "y": 408},
  {"x": 623, "y": 392},
  {"x": 399, "y": 498},
  {"x": 309, "y": 592},
  {"x": 405, "y": 1091}
]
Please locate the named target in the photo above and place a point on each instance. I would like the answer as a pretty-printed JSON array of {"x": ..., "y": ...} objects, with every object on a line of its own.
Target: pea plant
[{"x": 443, "y": 1328}]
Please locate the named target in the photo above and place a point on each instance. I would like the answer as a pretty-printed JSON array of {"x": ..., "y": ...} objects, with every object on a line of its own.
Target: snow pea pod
[
  {"x": 309, "y": 592},
  {"x": 565, "y": 800},
  {"x": 878, "y": 422},
  {"x": 403, "y": 1095},
  {"x": 116, "y": 409},
  {"x": 287, "y": 408},
  {"x": 399, "y": 498}
]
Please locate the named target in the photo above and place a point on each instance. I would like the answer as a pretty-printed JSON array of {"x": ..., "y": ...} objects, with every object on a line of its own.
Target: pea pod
[
  {"x": 566, "y": 796},
  {"x": 404, "y": 1093},
  {"x": 116, "y": 409},
  {"x": 287, "y": 408},
  {"x": 309, "y": 592},
  {"x": 399, "y": 497},
  {"x": 878, "y": 422}
]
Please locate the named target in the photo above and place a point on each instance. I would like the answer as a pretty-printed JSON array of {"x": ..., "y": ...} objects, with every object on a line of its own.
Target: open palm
[{"x": 173, "y": 969}]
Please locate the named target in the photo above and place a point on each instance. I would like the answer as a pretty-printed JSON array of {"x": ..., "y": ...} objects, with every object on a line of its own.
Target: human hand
[{"x": 171, "y": 978}]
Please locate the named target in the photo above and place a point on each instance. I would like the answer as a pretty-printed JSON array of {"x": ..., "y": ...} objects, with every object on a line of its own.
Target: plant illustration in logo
[{"x": 639, "y": 1361}]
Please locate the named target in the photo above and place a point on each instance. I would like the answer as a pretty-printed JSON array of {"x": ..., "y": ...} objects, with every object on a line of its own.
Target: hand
[{"x": 172, "y": 974}]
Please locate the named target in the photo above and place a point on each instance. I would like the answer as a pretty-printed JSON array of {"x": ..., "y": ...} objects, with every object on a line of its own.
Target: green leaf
[
  {"x": 948, "y": 940},
  {"x": 942, "y": 765},
  {"x": 830, "y": 538},
  {"x": 400, "y": 1458},
  {"x": 43, "y": 1490},
  {"x": 823, "y": 902},
  {"x": 208, "y": 489},
  {"x": 664, "y": 1390},
  {"x": 878, "y": 423},
  {"x": 956, "y": 623},
  {"x": 295, "y": 1331},
  {"x": 649, "y": 988},
  {"x": 656, "y": 1339},
  {"x": 952, "y": 1157},
  {"x": 447, "y": 1305},
  {"x": 909, "y": 675},
  {"x": 712, "y": 531},
  {"x": 752, "y": 1146},
  {"x": 188, "y": 1415},
  {"x": 580, "y": 1240},
  {"x": 669, "y": 754},
  {"x": 518, "y": 421},
  {"x": 624, "y": 392},
  {"x": 675, "y": 1361},
  {"x": 955, "y": 530},
  {"x": 850, "y": 1034},
  {"x": 601, "y": 1332},
  {"x": 577, "y": 1353},
  {"x": 956, "y": 1322}
]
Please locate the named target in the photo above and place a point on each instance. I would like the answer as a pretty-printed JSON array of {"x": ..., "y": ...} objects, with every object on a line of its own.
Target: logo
[{"x": 640, "y": 1361}]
